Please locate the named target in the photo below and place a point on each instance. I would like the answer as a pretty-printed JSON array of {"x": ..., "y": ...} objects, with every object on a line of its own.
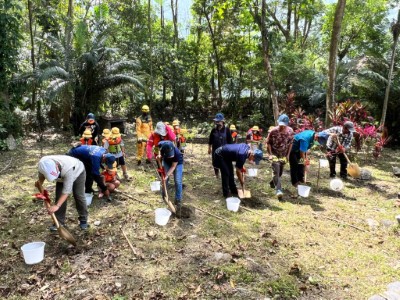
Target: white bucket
[
  {"x": 252, "y": 172},
  {"x": 336, "y": 184},
  {"x": 88, "y": 197},
  {"x": 155, "y": 186},
  {"x": 398, "y": 218},
  {"x": 162, "y": 216},
  {"x": 233, "y": 203},
  {"x": 303, "y": 190},
  {"x": 33, "y": 252},
  {"x": 323, "y": 163}
]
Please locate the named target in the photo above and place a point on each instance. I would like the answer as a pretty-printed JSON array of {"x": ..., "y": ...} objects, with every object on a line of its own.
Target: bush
[{"x": 10, "y": 124}]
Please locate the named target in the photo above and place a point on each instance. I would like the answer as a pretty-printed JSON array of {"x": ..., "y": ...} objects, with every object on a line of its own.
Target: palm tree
[{"x": 81, "y": 90}]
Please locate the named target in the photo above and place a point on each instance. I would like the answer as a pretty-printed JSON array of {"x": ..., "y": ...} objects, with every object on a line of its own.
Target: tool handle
[
  {"x": 345, "y": 155},
  {"x": 47, "y": 203}
]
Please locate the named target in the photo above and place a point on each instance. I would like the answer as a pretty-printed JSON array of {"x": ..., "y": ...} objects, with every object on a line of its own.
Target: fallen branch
[
  {"x": 129, "y": 242},
  {"x": 251, "y": 210},
  {"x": 6, "y": 167},
  {"x": 342, "y": 223},
  {"x": 215, "y": 216},
  {"x": 131, "y": 197}
]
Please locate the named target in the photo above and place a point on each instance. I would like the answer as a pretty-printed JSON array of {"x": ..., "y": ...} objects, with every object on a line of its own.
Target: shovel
[
  {"x": 244, "y": 193},
  {"x": 62, "y": 232},
  {"x": 352, "y": 169},
  {"x": 161, "y": 174}
]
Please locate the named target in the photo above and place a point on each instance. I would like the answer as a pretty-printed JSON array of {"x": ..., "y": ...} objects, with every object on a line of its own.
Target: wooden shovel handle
[
  {"x": 47, "y": 203},
  {"x": 345, "y": 155}
]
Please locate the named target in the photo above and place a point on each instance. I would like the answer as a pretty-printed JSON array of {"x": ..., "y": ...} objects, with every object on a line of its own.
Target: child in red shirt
[{"x": 110, "y": 180}]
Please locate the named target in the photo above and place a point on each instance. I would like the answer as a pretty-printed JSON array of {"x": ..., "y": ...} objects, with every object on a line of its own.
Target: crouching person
[
  {"x": 110, "y": 180},
  {"x": 172, "y": 161},
  {"x": 70, "y": 175}
]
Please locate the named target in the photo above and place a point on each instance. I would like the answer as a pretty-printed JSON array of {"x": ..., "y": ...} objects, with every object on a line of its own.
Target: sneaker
[
  {"x": 279, "y": 194},
  {"x": 84, "y": 226},
  {"x": 139, "y": 162},
  {"x": 148, "y": 161},
  {"x": 332, "y": 175},
  {"x": 127, "y": 177},
  {"x": 109, "y": 199},
  {"x": 272, "y": 184}
]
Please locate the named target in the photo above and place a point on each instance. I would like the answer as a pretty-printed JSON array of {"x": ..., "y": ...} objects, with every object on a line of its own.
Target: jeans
[
  {"x": 277, "y": 169},
  {"x": 296, "y": 169},
  {"x": 178, "y": 174},
  {"x": 78, "y": 191}
]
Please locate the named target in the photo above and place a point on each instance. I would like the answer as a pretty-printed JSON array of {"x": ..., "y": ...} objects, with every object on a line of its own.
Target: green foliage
[
  {"x": 9, "y": 123},
  {"x": 284, "y": 287}
]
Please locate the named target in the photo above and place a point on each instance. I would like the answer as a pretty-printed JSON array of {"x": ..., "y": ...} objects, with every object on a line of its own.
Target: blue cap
[
  {"x": 219, "y": 117},
  {"x": 258, "y": 155},
  {"x": 322, "y": 137},
  {"x": 110, "y": 160},
  {"x": 90, "y": 116},
  {"x": 283, "y": 120},
  {"x": 166, "y": 148}
]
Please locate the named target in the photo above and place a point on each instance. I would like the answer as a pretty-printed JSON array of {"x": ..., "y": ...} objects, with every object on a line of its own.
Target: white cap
[{"x": 48, "y": 168}]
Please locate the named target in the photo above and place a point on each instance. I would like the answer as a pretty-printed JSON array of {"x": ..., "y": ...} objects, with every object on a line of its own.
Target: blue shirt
[
  {"x": 235, "y": 152},
  {"x": 303, "y": 141},
  {"x": 178, "y": 157},
  {"x": 90, "y": 156}
]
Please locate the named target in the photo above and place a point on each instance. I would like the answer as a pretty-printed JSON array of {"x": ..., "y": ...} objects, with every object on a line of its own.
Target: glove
[
  {"x": 243, "y": 170},
  {"x": 161, "y": 171},
  {"x": 340, "y": 149}
]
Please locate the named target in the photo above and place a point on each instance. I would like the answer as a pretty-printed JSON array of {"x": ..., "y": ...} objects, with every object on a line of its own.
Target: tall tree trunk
[
  {"x": 260, "y": 20},
  {"x": 67, "y": 99},
  {"x": 174, "y": 9},
  {"x": 150, "y": 99},
  {"x": 218, "y": 62},
  {"x": 196, "y": 88},
  {"x": 396, "y": 33},
  {"x": 337, "y": 27}
]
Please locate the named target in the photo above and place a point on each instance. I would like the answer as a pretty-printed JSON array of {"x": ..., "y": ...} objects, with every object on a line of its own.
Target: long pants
[
  {"x": 277, "y": 169},
  {"x": 214, "y": 162},
  {"x": 227, "y": 175},
  {"x": 332, "y": 164},
  {"x": 178, "y": 175},
  {"x": 78, "y": 191},
  {"x": 296, "y": 169},
  {"x": 141, "y": 150}
]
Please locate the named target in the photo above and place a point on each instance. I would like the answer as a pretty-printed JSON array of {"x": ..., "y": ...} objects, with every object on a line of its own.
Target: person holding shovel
[
  {"x": 220, "y": 135},
  {"x": 70, "y": 175},
  {"x": 338, "y": 143},
  {"x": 279, "y": 145},
  {"x": 238, "y": 153},
  {"x": 298, "y": 159},
  {"x": 161, "y": 133},
  {"x": 171, "y": 159}
]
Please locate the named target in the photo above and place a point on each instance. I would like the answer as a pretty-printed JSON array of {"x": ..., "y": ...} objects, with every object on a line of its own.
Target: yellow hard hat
[
  {"x": 115, "y": 132},
  {"x": 175, "y": 123},
  {"x": 87, "y": 134},
  {"x": 270, "y": 128},
  {"x": 106, "y": 132},
  {"x": 232, "y": 127},
  {"x": 145, "y": 108},
  {"x": 255, "y": 128}
]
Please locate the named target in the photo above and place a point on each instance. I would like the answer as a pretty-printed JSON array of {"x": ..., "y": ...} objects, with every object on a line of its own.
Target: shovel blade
[
  {"x": 244, "y": 194},
  {"x": 66, "y": 235}
]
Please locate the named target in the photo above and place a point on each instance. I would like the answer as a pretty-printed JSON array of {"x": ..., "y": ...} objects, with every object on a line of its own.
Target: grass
[{"x": 301, "y": 248}]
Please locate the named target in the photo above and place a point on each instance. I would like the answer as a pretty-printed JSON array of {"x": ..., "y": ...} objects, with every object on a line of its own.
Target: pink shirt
[{"x": 155, "y": 138}]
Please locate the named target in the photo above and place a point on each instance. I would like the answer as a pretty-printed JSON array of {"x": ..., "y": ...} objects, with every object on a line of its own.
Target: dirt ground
[{"x": 331, "y": 245}]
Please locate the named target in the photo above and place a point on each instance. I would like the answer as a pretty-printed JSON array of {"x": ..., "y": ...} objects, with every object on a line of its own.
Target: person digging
[
  {"x": 238, "y": 153},
  {"x": 70, "y": 175},
  {"x": 171, "y": 159}
]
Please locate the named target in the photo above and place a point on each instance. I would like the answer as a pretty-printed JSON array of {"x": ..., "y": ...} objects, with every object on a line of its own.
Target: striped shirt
[{"x": 345, "y": 139}]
